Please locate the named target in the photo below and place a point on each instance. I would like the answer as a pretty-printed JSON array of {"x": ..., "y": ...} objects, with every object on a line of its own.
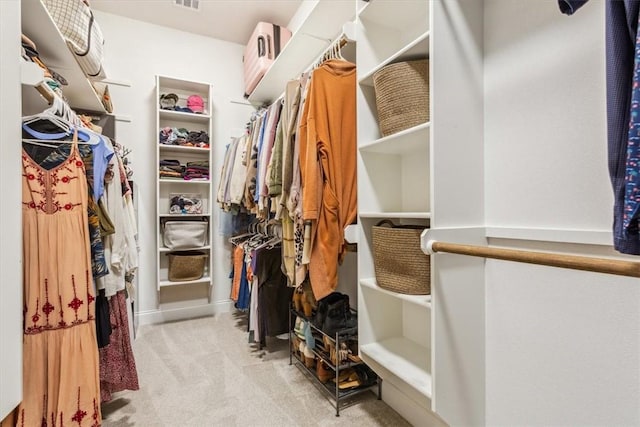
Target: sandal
[{"x": 363, "y": 376}]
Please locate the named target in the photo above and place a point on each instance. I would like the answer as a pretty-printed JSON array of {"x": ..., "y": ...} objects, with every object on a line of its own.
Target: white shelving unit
[
  {"x": 165, "y": 187},
  {"x": 38, "y": 25},
  {"x": 431, "y": 175},
  {"x": 393, "y": 183},
  {"x": 316, "y": 33}
]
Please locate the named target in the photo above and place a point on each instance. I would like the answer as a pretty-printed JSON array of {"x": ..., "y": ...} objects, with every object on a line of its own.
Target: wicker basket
[
  {"x": 402, "y": 95},
  {"x": 186, "y": 265},
  {"x": 399, "y": 263}
]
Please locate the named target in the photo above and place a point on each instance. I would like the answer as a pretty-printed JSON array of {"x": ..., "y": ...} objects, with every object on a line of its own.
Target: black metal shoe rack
[{"x": 339, "y": 398}]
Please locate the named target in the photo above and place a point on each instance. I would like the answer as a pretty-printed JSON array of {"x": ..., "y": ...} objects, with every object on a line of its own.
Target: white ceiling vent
[{"x": 189, "y": 4}]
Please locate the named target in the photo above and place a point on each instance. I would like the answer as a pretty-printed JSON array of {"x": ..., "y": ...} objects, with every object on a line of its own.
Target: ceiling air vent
[{"x": 189, "y": 4}]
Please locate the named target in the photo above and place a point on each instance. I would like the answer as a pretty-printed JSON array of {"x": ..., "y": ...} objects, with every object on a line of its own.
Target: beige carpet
[{"x": 203, "y": 372}]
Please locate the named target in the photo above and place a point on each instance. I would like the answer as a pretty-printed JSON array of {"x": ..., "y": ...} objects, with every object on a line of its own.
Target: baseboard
[
  {"x": 410, "y": 410},
  {"x": 150, "y": 317}
]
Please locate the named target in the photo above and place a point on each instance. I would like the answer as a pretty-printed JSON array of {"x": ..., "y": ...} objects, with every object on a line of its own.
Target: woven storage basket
[
  {"x": 186, "y": 265},
  {"x": 399, "y": 263},
  {"x": 402, "y": 95}
]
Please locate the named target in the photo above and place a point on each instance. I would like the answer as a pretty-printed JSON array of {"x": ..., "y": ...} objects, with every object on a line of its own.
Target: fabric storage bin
[
  {"x": 187, "y": 265},
  {"x": 82, "y": 33},
  {"x": 185, "y": 234},
  {"x": 399, "y": 263},
  {"x": 402, "y": 95}
]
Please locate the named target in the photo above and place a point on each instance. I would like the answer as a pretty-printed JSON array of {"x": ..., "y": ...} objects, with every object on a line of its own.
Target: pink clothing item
[{"x": 267, "y": 148}]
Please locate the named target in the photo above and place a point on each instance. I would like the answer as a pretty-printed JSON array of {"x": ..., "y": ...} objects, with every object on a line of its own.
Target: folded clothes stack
[
  {"x": 197, "y": 171},
  {"x": 54, "y": 80},
  {"x": 198, "y": 139},
  {"x": 183, "y": 137},
  {"x": 171, "y": 169}
]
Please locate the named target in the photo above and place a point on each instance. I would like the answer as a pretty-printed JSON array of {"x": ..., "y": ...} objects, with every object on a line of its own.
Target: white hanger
[{"x": 65, "y": 125}]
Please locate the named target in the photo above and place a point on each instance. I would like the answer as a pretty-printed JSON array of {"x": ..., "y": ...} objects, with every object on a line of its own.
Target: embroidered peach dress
[{"x": 60, "y": 368}]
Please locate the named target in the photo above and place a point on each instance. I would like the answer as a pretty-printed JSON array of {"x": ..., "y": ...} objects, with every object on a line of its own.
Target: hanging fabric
[
  {"x": 623, "y": 119},
  {"x": 59, "y": 324}
]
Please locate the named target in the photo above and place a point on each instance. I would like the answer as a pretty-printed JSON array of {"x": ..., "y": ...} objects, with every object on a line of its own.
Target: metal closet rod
[{"x": 573, "y": 262}]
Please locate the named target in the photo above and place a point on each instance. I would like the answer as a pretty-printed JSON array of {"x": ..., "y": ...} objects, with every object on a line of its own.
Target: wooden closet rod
[
  {"x": 45, "y": 93},
  {"x": 574, "y": 262}
]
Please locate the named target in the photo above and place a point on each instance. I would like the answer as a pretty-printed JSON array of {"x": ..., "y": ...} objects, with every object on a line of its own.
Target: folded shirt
[
  {"x": 170, "y": 174},
  {"x": 203, "y": 163}
]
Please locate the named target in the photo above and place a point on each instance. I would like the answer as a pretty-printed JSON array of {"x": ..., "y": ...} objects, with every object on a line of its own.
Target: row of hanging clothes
[
  {"x": 296, "y": 165},
  {"x": 80, "y": 255},
  {"x": 259, "y": 287}
]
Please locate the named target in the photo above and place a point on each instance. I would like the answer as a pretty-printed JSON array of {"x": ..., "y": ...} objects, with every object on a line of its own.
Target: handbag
[
  {"x": 82, "y": 33},
  {"x": 185, "y": 234},
  {"x": 399, "y": 263}
]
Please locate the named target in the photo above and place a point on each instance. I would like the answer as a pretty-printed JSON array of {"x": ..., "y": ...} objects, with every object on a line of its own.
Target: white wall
[
  {"x": 563, "y": 347},
  {"x": 545, "y": 116},
  {"x": 10, "y": 218},
  {"x": 136, "y": 52}
]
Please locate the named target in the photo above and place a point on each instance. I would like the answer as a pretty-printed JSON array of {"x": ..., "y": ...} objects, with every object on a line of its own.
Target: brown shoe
[
  {"x": 297, "y": 300},
  {"x": 323, "y": 372}
]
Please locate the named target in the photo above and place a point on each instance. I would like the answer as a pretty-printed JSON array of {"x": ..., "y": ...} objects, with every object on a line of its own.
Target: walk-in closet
[{"x": 319, "y": 212}]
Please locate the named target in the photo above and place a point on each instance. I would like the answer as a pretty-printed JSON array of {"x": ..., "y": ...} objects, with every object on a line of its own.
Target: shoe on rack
[
  {"x": 308, "y": 300},
  {"x": 339, "y": 316},
  {"x": 323, "y": 307},
  {"x": 297, "y": 299},
  {"x": 323, "y": 372},
  {"x": 309, "y": 357},
  {"x": 299, "y": 327},
  {"x": 344, "y": 375},
  {"x": 362, "y": 377}
]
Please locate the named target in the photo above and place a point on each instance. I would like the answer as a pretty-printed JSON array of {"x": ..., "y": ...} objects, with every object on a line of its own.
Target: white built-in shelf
[
  {"x": 315, "y": 34},
  {"x": 165, "y": 186},
  {"x": 172, "y": 84},
  {"x": 164, "y": 148},
  {"x": 181, "y": 181},
  {"x": 203, "y": 279},
  {"x": 399, "y": 215},
  {"x": 407, "y": 141},
  {"x": 184, "y": 215},
  {"x": 417, "y": 49},
  {"x": 38, "y": 25},
  {"x": 563, "y": 235},
  {"x": 404, "y": 359},
  {"x": 182, "y": 116},
  {"x": 421, "y": 300},
  {"x": 167, "y": 250},
  {"x": 395, "y": 15}
]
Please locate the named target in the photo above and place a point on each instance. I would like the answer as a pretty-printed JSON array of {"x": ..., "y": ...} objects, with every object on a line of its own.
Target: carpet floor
[{"x": 203, "y": 372}]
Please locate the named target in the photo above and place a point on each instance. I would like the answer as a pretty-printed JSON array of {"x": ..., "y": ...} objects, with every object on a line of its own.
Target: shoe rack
[{"x": 329, "y": 365}]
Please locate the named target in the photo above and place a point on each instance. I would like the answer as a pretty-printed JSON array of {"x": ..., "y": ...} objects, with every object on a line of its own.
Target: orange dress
[
  {"x": 61, "y": 385},
  {"x": 328, "y": 168}
]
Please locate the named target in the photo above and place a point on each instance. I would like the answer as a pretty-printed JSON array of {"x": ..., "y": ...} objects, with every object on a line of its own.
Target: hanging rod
[
  {"x": 46, "y": 94},
  {"x": 573, "y": 262}
]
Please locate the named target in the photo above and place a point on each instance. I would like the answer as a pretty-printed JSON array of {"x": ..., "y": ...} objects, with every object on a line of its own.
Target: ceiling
[{"x": 230, "y": 20}]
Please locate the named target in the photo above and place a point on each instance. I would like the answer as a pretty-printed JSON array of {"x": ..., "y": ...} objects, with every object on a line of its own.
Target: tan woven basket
[
  {"x": 402, "y": 95},
  {"x": 186, "y": 265},
  {"x": 399, "y": 263}
]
